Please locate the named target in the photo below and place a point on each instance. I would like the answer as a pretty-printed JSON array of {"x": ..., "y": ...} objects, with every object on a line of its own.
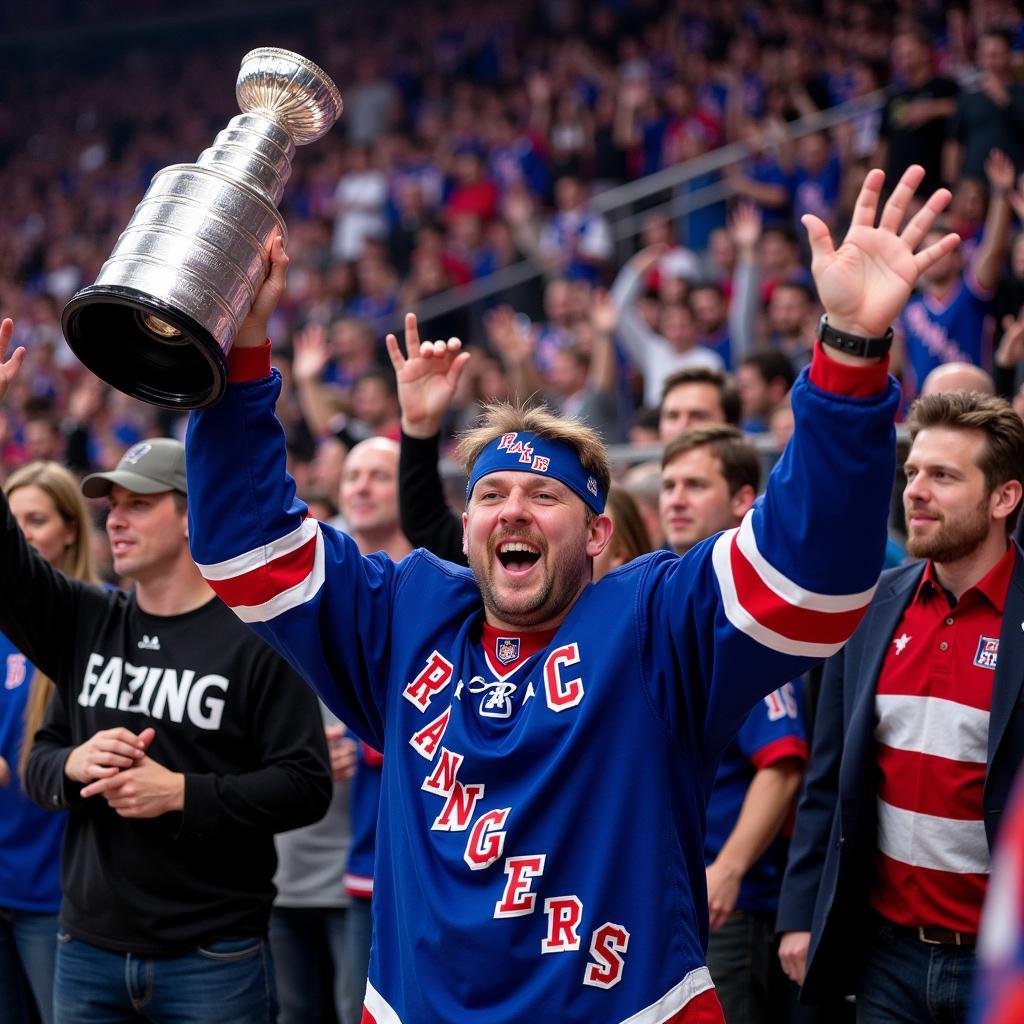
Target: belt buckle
[{"x": 922, "y": 937}]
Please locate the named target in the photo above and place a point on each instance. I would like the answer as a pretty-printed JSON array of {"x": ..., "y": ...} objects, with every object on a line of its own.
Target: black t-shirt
[
  {"x": 228, "y": 712},
  {"x": 980, "y": 126},
  {"x": 916, "y": 145}
]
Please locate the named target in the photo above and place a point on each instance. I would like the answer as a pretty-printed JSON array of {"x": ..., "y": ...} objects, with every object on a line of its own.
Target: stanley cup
[{"x": 159, "y": 321}]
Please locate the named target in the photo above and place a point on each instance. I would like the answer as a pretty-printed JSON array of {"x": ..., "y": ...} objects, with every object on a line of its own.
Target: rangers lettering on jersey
[
  {"x": 607, "y": 945},
  {"x": 426, "y": 741},
  {"x": 519, "y": 899},
  {"x": 486, "y": 839},
  {"x": 436, "y": 675}
]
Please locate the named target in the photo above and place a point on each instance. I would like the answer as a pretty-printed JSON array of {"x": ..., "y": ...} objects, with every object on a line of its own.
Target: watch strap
[{"x": 854, "y": 344}]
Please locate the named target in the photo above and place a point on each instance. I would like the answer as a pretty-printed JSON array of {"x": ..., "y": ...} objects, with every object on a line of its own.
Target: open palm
[
  {"x": 8, "y": 367},
  {"x": 866, "y": 282},
  {"x": 427, "y": 377}
]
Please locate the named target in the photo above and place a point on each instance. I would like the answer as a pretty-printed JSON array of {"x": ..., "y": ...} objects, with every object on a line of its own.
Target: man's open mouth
[{"x": 517, "y": 556}]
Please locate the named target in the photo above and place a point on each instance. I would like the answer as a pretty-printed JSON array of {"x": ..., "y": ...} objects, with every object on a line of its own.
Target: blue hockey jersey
[
  {"x": 540, "y": 841},
  {"x": 773, "y": 731}
]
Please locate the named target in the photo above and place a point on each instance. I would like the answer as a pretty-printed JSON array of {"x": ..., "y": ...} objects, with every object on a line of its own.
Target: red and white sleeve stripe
[
  {"x": 773, "y": 610},
  {"x": 261, "y": 584}
]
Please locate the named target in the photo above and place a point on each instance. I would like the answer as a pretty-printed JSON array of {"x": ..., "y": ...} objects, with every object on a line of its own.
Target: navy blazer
[{"x": 825, "y": 888}]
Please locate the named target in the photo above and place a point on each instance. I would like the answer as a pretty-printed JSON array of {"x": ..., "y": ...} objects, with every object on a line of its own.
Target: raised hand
[
  {"x": 745, "y": 226},
  {"x": 512, "y": 344},
  {"x": 604, "y": 313},
  {"x": 8, "y": 367},
  {"x": 427, "y": 377},
  {"x": 1000, "y": 171},
  {"x": 865, "y": 283},
  {"x": 311, "y": 354},
  {"x": 646, "y": 258}
]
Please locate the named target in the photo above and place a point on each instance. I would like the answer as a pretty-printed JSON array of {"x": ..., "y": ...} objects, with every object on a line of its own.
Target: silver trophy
[{"x": 159, "y": 321}]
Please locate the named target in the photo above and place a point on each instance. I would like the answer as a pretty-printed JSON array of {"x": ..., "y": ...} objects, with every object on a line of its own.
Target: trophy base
[{"x": 145, "y": 347}]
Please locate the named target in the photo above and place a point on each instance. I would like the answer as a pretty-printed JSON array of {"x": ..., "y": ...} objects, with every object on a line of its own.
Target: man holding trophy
[{"x": 549, "y": 744}]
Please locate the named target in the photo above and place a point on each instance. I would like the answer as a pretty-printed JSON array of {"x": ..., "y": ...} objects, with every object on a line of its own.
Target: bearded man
[{"x": 918, "y": 736}]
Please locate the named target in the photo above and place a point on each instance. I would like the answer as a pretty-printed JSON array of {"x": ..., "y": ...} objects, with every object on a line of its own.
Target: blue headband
[{"x": 527, "y": 453}]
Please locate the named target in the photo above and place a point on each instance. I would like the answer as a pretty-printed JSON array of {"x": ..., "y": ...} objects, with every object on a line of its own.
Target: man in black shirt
[
  {"x": 989, "y": 116},
  {"x": 914, "y": 119},
  {"x": 179, "y": 743}
]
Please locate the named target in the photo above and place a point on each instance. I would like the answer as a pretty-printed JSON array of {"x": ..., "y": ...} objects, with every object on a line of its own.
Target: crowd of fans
[
  {"x": 478, "y": 136},
  {"x": 473, "y": 139}
]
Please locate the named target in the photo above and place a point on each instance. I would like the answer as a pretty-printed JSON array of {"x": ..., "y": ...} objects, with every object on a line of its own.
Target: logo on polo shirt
[{"x": 987, "y": 653}]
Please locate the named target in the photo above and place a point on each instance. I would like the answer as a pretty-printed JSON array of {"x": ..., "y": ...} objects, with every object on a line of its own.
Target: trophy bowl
[{"x": 160, "y": 318}]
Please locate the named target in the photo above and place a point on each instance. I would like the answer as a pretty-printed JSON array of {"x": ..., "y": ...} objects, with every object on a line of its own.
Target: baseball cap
[{"x": 148, "y": 467}]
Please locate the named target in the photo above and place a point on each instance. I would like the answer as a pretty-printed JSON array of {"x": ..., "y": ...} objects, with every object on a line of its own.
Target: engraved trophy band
[{"x": 160, "y": 318}]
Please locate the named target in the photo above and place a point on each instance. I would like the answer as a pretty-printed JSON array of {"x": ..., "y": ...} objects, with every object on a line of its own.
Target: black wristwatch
[{"x": 854, "y": 344}]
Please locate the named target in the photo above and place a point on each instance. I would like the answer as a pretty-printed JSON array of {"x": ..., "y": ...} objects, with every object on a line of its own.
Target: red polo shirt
[{"x": 932, "y": 708}]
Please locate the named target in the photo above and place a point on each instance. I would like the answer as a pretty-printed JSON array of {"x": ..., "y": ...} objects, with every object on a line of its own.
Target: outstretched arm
[
  {"x": 303, "y": 586},
  {"x": 427, "y": 375},
  {"x": 796, "y": 577},
  {"x": 989, "y": 257}
]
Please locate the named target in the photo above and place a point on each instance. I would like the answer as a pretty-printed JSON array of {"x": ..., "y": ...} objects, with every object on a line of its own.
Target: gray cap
[{"x": 148, "y": 467}]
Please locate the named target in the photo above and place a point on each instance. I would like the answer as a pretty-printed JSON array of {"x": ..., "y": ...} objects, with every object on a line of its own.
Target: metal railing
[{"x": 623, "y": 198}]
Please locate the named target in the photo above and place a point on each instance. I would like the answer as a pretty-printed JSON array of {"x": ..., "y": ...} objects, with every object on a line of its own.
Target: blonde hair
[
  {"x": 501, "y": 418},
  {"x": 62, "y": 489}
]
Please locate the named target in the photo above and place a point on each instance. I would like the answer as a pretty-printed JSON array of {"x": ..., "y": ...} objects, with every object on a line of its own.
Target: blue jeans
[
  {"x": 28, "y": 947},
  {"x": 358, "y": 938},
  {"x": 906, "y": 981},
  {"x": 228, "y": 981},
  {"x": 309, "y": 961}
]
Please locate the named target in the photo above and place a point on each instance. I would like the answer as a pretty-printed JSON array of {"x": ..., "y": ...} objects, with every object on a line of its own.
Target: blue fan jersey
[
  {"x": 774, "y": 731},
  {"x": 30, "y": 838},
  {"x": 540, "y": 845}
]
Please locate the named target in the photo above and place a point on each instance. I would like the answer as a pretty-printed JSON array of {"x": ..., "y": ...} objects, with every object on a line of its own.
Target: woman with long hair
[
  {"x": 630, "y": 538},
  {"x": 48, "y": 507}
]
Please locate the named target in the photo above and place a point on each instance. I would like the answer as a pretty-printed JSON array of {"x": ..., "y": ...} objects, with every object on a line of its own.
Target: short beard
[
  {"x": 954, "y": 539},
  {"x": 562, "y": 581}
]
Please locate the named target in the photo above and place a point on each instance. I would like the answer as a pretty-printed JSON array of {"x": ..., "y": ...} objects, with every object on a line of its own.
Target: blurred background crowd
[
  {"x": 603, "y": 200},
  {"x": 492, "y": 170}
]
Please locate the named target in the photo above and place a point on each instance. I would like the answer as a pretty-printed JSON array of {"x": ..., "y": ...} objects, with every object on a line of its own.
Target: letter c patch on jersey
[{"x": 562, "y": 694}]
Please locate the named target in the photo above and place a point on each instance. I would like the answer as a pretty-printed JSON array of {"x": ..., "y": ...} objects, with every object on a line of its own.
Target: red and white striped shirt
[{"x": 932, "y": 712}]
